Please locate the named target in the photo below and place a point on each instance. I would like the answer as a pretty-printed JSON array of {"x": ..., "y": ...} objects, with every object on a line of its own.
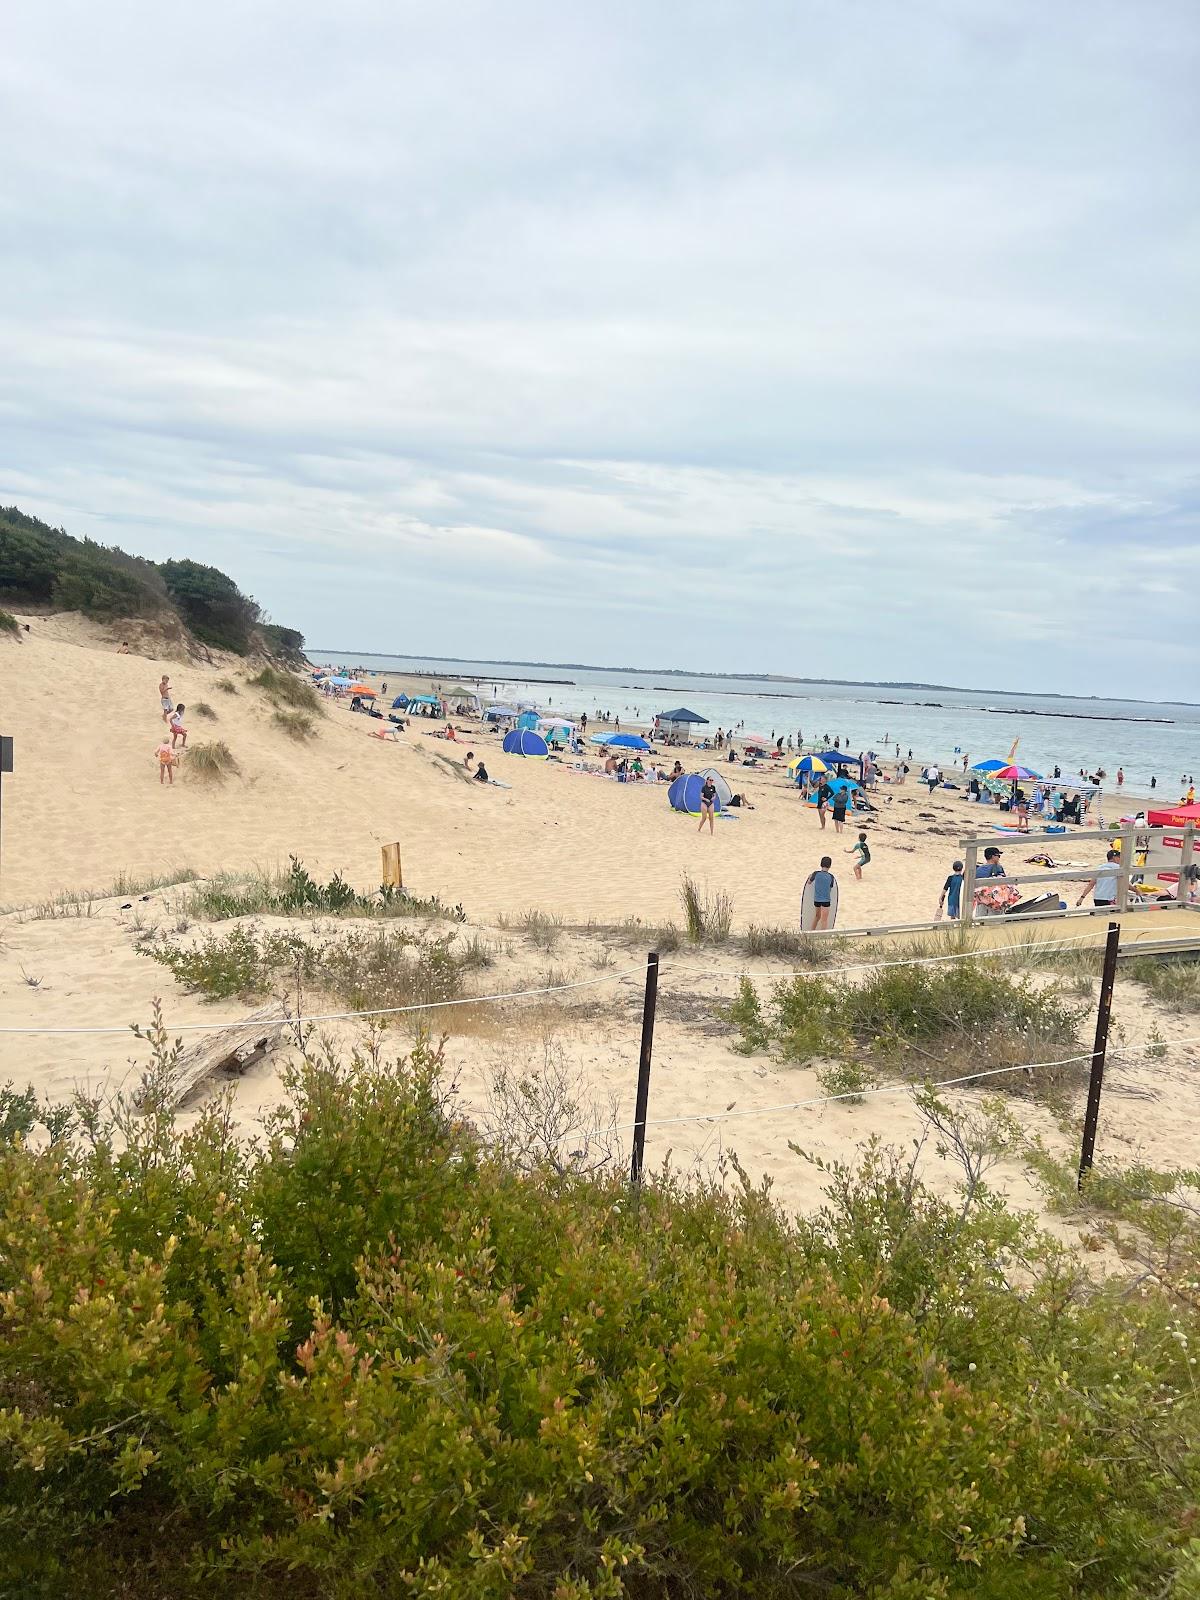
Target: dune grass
[
  {"x": 227, "y": 686},
  {"x": 9, "y": 624},
  {"x": 707, "y": 917},
  {"x": 210, "y": 763},
  {"x": 81, "y": 902},
  {"x": 297, "y": 725},
  {"x": 288, "y": 690},
  {"x": 203, "y": 709},
  {"x": 295, "y": 893}
]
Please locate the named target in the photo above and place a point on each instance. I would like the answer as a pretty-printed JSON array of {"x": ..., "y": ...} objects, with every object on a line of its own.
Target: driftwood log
[{"x": 232, "y": 1050}]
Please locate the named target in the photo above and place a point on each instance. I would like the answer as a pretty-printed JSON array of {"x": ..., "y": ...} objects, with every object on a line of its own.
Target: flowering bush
[{"x": 363, "y": 1356}]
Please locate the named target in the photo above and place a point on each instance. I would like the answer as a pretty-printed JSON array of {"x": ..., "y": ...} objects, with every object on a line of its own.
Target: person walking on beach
[
  {"x": 951, "y": 899},
  {"x": 708, "y": 801},
  {"x": 823, "y": 884},
  {"x": 862, "y": 855},
  {"x": 165, "y": 698},
  {"x": 178, "y": 731},
  {"x": 1104, "y": 889},
  {"x": 933, "y": 776}
]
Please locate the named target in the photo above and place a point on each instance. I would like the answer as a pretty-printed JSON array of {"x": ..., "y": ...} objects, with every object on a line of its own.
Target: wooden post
[
  {"x": 392, "y": 871},
  {"x": 1128, "y": 851},
  {"x": 649, "y": 1005},
  {"x": 967, "y": 913},
  {"x": 1099, "y": 1049}
]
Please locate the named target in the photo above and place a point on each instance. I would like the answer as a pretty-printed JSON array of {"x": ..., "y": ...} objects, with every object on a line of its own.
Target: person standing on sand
[
  {"x": 862, "y": 855},
  {"x": 823, "y": 884},
  {"x": 824, "y": 796},
  {"x": 952, "y": 893},
  {"x": 1104, "y": 889},
  {"x": 178, "y": 731},
  {"x": 165, "y": 699},
  {"x": 708, "y": 801},
  {"x": 840, "y": 801},
  {"x": 932, "y": 776},
  {"x": 166, "y": 762}
]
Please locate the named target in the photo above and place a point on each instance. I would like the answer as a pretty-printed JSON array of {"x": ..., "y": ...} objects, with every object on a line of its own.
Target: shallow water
[{"x": 1149, "y": 739}]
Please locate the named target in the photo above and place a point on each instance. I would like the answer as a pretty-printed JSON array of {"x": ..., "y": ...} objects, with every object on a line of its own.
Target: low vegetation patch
[
  {"x": 1174, "y": 982},
  {"x": 210, "y": 762},
  {"x": 707, "y": 917},
  {"x": 930, "y": 1022},
  {"x": 203, "y": 709},
  {"x": 9, "y": 623},
  {"x": 297, "y": 725},
  {"x": 82, "y": 902},
  {"x": 807, "y": 949},
  {"x": 363, "y": 967},
  {"x": 295, "y": 893},
  {"x": 227, "y": 686},
  {"x": 288, "y": 690},
  {"x": 370, "y": 1355}
]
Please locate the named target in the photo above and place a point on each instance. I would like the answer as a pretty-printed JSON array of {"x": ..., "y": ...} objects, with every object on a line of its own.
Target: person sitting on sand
[
  {"x": 178, "y": 731},
  {"x": 823, "y": 884},
  {"x": 450, "y": 733},
  {"x": 165, "y": 697},
  {"x": 677, "y": 770},
  {"x": 124, "y": 648},
  {"x": 481, "y": 774},
  {"x": 166, "y": 762},
  {"x": 469, "y": 760}
]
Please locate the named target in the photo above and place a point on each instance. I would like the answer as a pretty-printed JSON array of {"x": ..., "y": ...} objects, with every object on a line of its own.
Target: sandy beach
[{"x": 84, "y": 806}]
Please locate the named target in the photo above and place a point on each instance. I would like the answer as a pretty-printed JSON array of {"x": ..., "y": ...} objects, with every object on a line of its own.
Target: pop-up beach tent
[
  {"x": 724, "y": 792},
  {"x": 426, "y": 705},
  {"x": 399, "y": 702},
  {"x": 838, "y": 786},
  {"x": 528, "y": 719},
  {"x": 525, "y": 742},
  {"x": 684, "y": 794},
  {"x": 678, "y": 723}
]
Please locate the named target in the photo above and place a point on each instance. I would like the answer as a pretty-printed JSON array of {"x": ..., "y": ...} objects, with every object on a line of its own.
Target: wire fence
[{"x": 651, "y": 971}]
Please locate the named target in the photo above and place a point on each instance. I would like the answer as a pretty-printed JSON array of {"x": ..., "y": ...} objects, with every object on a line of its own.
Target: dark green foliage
[
  {"x": 45, "y": 566},
  {"x": 212, "y": 605},
  {"x": 364, "y": 1358}
]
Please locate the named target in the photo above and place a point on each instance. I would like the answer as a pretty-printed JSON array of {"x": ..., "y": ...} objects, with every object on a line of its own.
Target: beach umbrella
[
  {"x": 363, "y": 690},
  {"x": 805, "y": 764},
  {"x": 524, "y": 742},
  {"x": 839, "y": 758},
  {"x": 1015, "y": 773},
  {"x": 340, "y": 681},
  {"x": 627, "y": 741},
  {"x": 988, "y": 766}
]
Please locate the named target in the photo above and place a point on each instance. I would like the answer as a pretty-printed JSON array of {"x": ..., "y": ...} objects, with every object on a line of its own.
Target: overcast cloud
[{"x": 846, "y": 337}]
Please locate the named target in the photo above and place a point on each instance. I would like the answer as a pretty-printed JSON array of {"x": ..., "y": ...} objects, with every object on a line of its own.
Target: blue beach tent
[
  {"x": 528, "y": 719},
  {"x": 525, "y": 742},
  {"x": 837, "y": 785},
  {"x": 399, "y": 702},
  {"x": 684, "y": 794}
]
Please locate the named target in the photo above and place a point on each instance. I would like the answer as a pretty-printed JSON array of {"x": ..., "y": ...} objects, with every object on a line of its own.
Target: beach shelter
[
  {"x": 678, "y": 723},
  {"x": 1175, "y": 817},
  {"x": 425, "y": 705},
  {"x": 525, "y": 742},
  {"x": 724, "y": 792},
  {"x": 399, "y": 702},
  {"x": 989, "y": 766},
  {"x": 556, "y": 730},
  {"x": 340, "y": 680},
  {"x": 501, "y": 714},
  {"x": 528, "y": 719},
  {"x": 839, "y": 758},
  {"x": 839, "y": 786},
  {"x": 684, "y": 794},
  {"x": 627, "y": 741}
]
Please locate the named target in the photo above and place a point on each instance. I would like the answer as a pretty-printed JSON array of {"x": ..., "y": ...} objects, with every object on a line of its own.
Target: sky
[{"x": 804, "y": 337}]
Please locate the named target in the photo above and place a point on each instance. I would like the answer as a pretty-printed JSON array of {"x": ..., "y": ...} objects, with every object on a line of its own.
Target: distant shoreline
[{"x": 753, "y": 677}]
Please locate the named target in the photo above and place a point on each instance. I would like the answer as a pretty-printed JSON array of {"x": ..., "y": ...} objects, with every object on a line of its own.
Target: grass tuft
[
  {"x": 210, "y": 763},
  {"x": 707, "y": 918},
  {"x": 287, "y": 689},
  {"x": 227, "y": 686},
  {"x": 297, "y": 725},
  {"x": 9, "y": 624},
  {"x": 203, "y": 709}
]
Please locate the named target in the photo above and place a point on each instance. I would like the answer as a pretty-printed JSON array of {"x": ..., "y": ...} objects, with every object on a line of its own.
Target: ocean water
[{"x": 1148, "y": 739}]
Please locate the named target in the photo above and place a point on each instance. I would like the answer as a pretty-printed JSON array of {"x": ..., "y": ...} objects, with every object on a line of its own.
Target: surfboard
[{"x": 808, "y": 908}]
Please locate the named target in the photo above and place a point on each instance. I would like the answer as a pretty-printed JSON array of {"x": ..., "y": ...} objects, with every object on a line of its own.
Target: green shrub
[
  {"x": 210, "y": 763},
  {"x": 295, "y": 724},
  {"x": 746, "y": 1015},
  {"x": 9, "y": 623},
  {"x": 365, "y": 1357},
  {"x": 845, "y": 1080},
  {"x": 288, "y": 689}
]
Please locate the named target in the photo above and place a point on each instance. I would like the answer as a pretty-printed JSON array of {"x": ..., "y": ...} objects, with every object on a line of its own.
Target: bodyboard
[{"x": 808, "y": 908}]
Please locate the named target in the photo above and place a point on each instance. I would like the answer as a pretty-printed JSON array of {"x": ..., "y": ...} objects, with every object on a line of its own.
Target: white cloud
[{"x": 423, "y": 320}]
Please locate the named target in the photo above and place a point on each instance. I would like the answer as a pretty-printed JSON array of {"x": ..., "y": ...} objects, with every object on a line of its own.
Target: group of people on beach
[{"x": 174, "y": 739}]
